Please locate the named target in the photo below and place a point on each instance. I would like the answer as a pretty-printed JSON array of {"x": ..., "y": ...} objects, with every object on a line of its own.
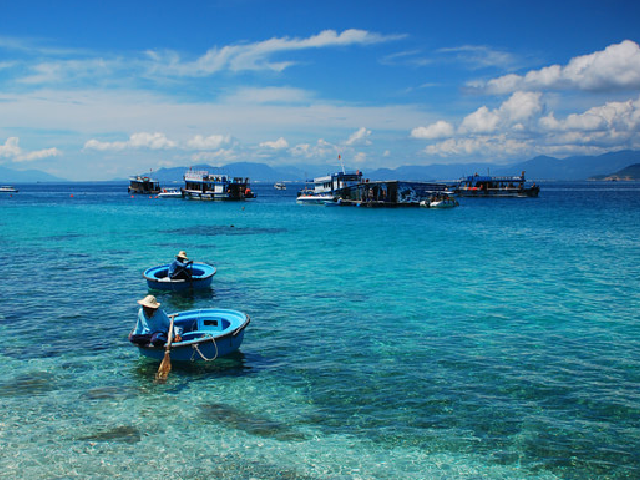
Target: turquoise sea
[{"x": 498, "y": 340}]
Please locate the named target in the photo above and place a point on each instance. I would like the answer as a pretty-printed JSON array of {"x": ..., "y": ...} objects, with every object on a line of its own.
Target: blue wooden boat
[
  {"x": 158, "y": 277},
  {"x": 202, "y": 335}
]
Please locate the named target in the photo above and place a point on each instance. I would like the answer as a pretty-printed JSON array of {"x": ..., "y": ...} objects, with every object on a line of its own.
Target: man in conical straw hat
[
  {"x": 179, "y": 268},
  {"x": 153, "y": 323}
]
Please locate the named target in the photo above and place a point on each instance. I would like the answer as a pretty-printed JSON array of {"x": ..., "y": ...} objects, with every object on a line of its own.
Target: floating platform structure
[{"x": 388, "y": 194}]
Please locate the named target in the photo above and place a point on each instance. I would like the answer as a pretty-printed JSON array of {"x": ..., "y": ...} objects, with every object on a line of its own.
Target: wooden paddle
[{"x": 165, "y": 365}]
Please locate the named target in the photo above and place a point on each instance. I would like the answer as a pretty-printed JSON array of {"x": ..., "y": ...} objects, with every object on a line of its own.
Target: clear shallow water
[{"x": 498, "y": 340}]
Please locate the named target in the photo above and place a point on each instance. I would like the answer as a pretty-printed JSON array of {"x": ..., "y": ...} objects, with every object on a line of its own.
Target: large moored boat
[
  {"x": 143, "y": 184},
  {"x": 486, "y": 186},
  {"x": 325, "y": 188},
  {"x": 200, "y": 185}
]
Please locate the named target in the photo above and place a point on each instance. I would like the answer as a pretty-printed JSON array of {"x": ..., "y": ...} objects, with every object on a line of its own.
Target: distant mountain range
[
  {"x": 538, "y": 169},
  {"x": 8, "y": 175}
]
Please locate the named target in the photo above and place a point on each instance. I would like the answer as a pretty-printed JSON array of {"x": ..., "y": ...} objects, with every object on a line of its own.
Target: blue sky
[{"x": 99, "y": 90}]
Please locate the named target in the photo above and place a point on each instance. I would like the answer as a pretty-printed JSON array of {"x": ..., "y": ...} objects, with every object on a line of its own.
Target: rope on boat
[{"x": 196, "y": 349}]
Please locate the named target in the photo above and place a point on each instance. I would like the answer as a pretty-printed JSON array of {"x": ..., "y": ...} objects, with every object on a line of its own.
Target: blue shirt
[
  {"x": 176, "y": 266},
  {"x": 159, "y": 322}
]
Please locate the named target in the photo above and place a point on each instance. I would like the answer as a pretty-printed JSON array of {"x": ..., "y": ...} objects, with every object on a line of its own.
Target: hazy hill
[
  {"x": 8, "y": 175},
  {"x": 632, "y": 172},
  {"x": 538, "y": 168}
]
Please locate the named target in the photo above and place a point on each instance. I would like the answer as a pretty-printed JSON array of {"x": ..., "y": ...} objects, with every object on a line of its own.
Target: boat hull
[
  {"x": 314, "y": 200},
  {"x": 205, "y": 350},
  {"x": 530, "y": 192},
  {"x": 446, "y": 203},
  {"x": 158, "y": 279},
  {"x": 205, "y": 334}
]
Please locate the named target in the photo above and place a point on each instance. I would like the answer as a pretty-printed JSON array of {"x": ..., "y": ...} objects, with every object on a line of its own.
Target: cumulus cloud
[
  {"x": 361, "y": 137},
  {"x": 278, "y": 144},
  {"x": 153, "y": 141},
  {"x": 518, "y": 127},
  {"x": 521, "y": 106},
  {"x": 11, "y": 149},
  {"x": 322, "y": 149},
  {"x": 613, "y": 117},
  {"x": 211, "y": 142},
  {"x": 440, "y": 129},
  {"x": 481, "y": 121},
  {"x": 617, "y": 67}
]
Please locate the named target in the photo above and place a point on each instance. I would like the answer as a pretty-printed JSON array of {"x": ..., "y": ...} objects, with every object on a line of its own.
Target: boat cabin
[
  {"x": 200, "y": 185},
  {"x": 487, "y": 186},
  {"x": 143, "y": 184}
]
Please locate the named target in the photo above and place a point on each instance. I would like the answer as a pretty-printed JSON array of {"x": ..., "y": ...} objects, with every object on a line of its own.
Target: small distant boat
[
  {"x": 440, "y": 201},
  {"x": 201, "y": 277},
  {"x": 8, "y": 189},
  {"x": 280, "y": 186},
  {"x": 201, "y": 335},
  {"x": 170, "y": 192}
]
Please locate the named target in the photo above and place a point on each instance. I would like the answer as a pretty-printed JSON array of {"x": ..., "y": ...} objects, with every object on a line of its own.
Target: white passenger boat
[
  {"x": 170, "y": 192},
  {"x": 441, "y": 200},
  {"x": 325, "y": 188},
  {"x": 8, "y": 189}
]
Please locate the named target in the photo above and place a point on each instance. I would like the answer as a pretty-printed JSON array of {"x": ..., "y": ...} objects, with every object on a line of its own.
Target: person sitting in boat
[
  {"x": 153, "y": 323},
  {"x": 180, "y": 267}
]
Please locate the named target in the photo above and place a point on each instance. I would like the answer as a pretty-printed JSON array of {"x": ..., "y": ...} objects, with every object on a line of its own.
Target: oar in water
[{"x": 165, "y": 365}]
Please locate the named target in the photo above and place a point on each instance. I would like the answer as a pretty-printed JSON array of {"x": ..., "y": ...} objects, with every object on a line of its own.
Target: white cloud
[
  {"x": 38, "y": 154},
  {"x": 321, "y": 150},
  {"x": 361, "y": 137},
  {"x": 268, "y": 95},
  {"x": 280, "y": 143},
  {"x": 518, "y": 127},
  {"x": 520, "y": 107},
  {"x": 360, "y": 157},
  {"x": 614, "y": 68},
  {"x": 481, "y": 121},
  {"x": 211, "y": 142},
  {"x": 153, "y": 141},
  {"x": 616, "y": 118},
  {"x": 12, "y": 150},
  {"x": 257, "y": 56},
  {"x": 440, "y": 129},
  {"x": 481, "y": 56},
  {"x": 10, "y": 147}
]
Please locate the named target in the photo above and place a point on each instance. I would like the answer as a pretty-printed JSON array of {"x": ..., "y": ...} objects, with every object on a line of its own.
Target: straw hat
[
  {"x": 149, "y": 301},
  {"x": 182, "y": 254}
]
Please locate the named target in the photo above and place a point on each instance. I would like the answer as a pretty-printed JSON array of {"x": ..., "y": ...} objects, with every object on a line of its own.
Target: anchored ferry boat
[
  {"x": 8, "y": 189},
  {"x": 325, "y": 188},
  {"x": 485, "y": 186},
  {"x": 143, "y": 184},
  {"x": 200, "y": 185}
]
